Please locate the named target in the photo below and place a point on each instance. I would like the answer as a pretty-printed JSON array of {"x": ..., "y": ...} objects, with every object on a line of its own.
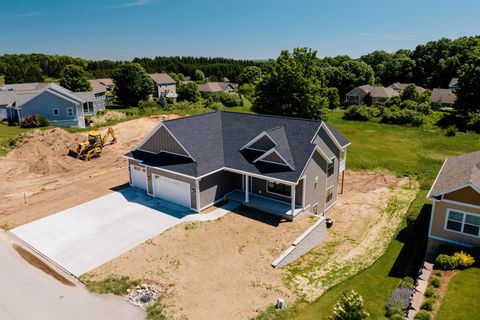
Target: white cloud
[{"x": 133, "y": 3}]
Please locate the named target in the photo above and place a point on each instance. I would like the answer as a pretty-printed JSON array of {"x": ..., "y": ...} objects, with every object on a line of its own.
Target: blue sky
[{"x": 254, "y": 29}]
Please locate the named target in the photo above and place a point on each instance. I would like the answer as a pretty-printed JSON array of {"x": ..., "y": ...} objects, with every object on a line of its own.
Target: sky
[{"x": 244, "y": 29}]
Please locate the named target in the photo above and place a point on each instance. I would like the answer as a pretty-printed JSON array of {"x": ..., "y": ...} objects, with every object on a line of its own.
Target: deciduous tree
[
  {"x": 132, "y": 83},
  {"x": 75, "y": 79}
]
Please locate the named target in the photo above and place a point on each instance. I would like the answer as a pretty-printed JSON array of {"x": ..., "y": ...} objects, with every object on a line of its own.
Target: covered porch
[{"x": 269, "y": 195}]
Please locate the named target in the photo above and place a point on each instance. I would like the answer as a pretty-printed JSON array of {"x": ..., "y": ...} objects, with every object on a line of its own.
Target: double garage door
[{"x": 168, "y": 189}]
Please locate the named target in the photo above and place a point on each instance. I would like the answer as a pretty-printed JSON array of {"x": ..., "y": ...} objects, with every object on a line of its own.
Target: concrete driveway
[
  {"x": 86, "y": 236},
  {"x": 28, "y": 293}
]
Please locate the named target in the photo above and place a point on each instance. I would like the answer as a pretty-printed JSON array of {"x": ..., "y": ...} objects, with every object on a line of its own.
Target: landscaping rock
[{"x": 143, "y": 295}]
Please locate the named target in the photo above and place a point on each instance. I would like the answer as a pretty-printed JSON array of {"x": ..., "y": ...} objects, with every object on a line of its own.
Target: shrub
[
  {"x": 34, "y": 121},
  {"x": 115, "y": 285},
  {"x": 451, "y": 131},
  {"x": 349, "y": 307},
  {"x": 216, "y": 106},
  {"x": 423, "y": 315},
  {"x": 473, "y": 122},
  {"x": 156, "y": 311},
  {"x": 464, "y": 260},
  {"x": 397, "y": 317},
  {"x": 408, "y": 282},
  {"x": 438, "y": 273},
  {"x": 403, "y": 117},
  {"x": 431, "y": 292},
  {"x": 394, "y": 311},
  {"x": 227, "y": 99},
  {"x": 400, "y": 298},
  {"x": 147, "y": 107},
  {"x": 436, "y": 282},
  {"x": 428, "y": 304},
  {"x": 446, "y": 262},
  {"x": 359, "y": 112}
]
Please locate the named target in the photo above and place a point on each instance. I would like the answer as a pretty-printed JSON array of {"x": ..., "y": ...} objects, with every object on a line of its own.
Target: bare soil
[
  {"x": 39, "y": 171},
  {"x": 222, "y": 269}
]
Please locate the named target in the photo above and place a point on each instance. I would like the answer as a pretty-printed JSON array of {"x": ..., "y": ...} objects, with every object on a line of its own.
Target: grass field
[
  {"x": 461, "y": 300},
  {"x": 405, "y": 151},
  {"x": 7, "y": 136}
]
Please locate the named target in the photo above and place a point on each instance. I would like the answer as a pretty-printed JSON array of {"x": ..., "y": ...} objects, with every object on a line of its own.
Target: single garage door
[
  {"x": 139, "y": 177},
  {"x": 171, "y": 190}
]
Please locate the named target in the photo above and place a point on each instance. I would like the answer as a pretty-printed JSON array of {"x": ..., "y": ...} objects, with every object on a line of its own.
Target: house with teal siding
[{"x": 60, "y": 106}]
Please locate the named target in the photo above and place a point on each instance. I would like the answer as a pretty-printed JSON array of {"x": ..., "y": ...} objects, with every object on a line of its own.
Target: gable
[
  {"x": 162, "y": 140},
  {"x": 264, "y": 144},
  {"x": 323, "y": 138},
  {"x": 466, "y": 195},
  {"x": 274, "y": 157}
]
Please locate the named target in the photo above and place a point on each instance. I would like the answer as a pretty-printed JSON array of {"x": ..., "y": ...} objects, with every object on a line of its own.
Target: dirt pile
[{"x": 45, "y": 152}]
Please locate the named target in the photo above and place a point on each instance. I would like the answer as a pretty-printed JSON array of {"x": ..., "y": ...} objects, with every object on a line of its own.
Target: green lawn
[
  {"x": 461, "y": 301},
  {"x": 416, "y": 152},
  {"x": 7, "y": 136}
]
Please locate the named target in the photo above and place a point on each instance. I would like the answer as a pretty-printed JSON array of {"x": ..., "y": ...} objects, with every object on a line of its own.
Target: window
[
  {"x": 279, "y": 188},
  {"x": 463, "y": 222},
  {"x": 331, "y": 167},
  {"x": 69, "y": 112},
  {"x": 56, "y": 111},
  {"x": 88, "y": 107},
  {"x": 329, "y": 194},
  {"x": 315, "y": 209}
]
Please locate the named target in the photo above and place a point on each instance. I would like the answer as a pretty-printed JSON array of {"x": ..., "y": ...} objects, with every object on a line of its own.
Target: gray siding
[
  {"x": 162, "y": 140},
  {"x": 315, "y": 192},
  {"x": 216, "y": 185},
  {"x": 44, "y": 103},
  {"x": 264, "y": 143}
]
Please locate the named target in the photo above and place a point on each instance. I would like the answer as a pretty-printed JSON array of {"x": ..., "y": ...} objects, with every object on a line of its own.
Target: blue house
[{"x": 60, "y": 106}]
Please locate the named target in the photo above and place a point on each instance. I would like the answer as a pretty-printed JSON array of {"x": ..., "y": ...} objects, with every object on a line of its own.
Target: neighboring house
[
  {"x": 164, "y": 86},
  {"x": 454, "y": 85},
  {"x": 60, "y": 106},
  {"x": 368, "y": 94},
  {"x": 94, "y": 101},
  {"x": 455, "y": 216},
  {"x": 280, "y": 165},
  {"x": 442, "y": 98},
  {"x": 104, "y": 84},
  {"x": 399, "y": 87},
  {"x": 213, "y": 87}
]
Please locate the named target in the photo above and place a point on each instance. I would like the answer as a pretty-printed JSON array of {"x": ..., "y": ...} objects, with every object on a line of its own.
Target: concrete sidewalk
[{"x": 28, "y": 293}]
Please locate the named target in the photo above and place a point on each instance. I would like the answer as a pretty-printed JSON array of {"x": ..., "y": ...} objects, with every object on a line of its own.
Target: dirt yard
[
  {"x": 40, "y": 172},
  {"x": 221, "y": 269}
]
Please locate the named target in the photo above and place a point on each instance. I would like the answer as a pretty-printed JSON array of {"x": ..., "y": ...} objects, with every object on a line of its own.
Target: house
[
  {"x": 103, "y": 84},
  {"x": 94, "y": 101},
  {"x": 60, "y": 106},
  {"x": 164, "y": 85},
  {"x": 454, "y": 85},
  {"x": 399, "y": 87},
  {"x": 214, "y": 87},
  {"x": 280, "y": 165},
  {"x": 455, "y": 216},
  {"x": 442, "y": 98},
  {"x": 368, "y": 94}
]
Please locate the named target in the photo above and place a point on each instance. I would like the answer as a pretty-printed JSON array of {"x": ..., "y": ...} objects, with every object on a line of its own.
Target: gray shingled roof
[
  {"x": 214, "y": 141},
  {"x": 340, "y": 137},
  {"x": 161, "y": 78},
  {"x": 443, "y": 96},
  {"x": 213, "y": 86},
  {"x": 400, "y": 87},
  {"x": 457, "y": 172}
]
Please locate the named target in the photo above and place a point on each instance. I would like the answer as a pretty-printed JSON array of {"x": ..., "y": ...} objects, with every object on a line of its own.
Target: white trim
[
  {"x": 332, "y": 159},
  {"x": 247, "y": 191},
  {"x": 461, "y": 204},
  {"x": 197, "y": 195},
  {"x": 463, "y": 223},
  {"x": 304, "y": 192},
  {"x": 458, "y": 243},
  {"x": 278, "y": 194},
  {"x": 269, "y": 152},
  {"x": 258, "y": 176},
  {"x": 165, "y": 170},
  {"x": 459, "y": 187},
  {"x": 258, "y": 137},
  {"x": 53, "y": 112}
]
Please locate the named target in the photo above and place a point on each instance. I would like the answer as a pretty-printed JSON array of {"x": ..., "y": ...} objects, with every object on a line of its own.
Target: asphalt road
[{"x": 28, "y": 293}]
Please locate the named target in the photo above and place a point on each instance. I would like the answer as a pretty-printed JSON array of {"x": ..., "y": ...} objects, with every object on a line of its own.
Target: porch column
[
  {"x": 292, "y": 195},
  {"x": 246, "y": 189}
]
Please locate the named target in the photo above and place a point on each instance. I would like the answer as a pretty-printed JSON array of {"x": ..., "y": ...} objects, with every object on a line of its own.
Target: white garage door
[
  {"x": 171, "y": 190},
  {"x": 139, "y": 177}
]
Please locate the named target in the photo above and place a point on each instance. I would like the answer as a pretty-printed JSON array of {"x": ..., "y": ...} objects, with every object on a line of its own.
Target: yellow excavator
[{"x": 93, "y": 147}]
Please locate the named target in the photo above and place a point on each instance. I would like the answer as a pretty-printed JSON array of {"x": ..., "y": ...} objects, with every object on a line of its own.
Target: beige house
[
  {"x": 164, "y": 85},
  {"x": 455, "y": 194},
  {"x": 400, "y": 87},
  {"x": 442, "y": 98},
  {"x": 213, "y": 87},
  {"x": 368, "y": 94}
]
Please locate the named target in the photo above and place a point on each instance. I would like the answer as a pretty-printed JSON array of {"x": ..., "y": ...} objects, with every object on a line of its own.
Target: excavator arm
[{"x": 110, "y": 133}]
